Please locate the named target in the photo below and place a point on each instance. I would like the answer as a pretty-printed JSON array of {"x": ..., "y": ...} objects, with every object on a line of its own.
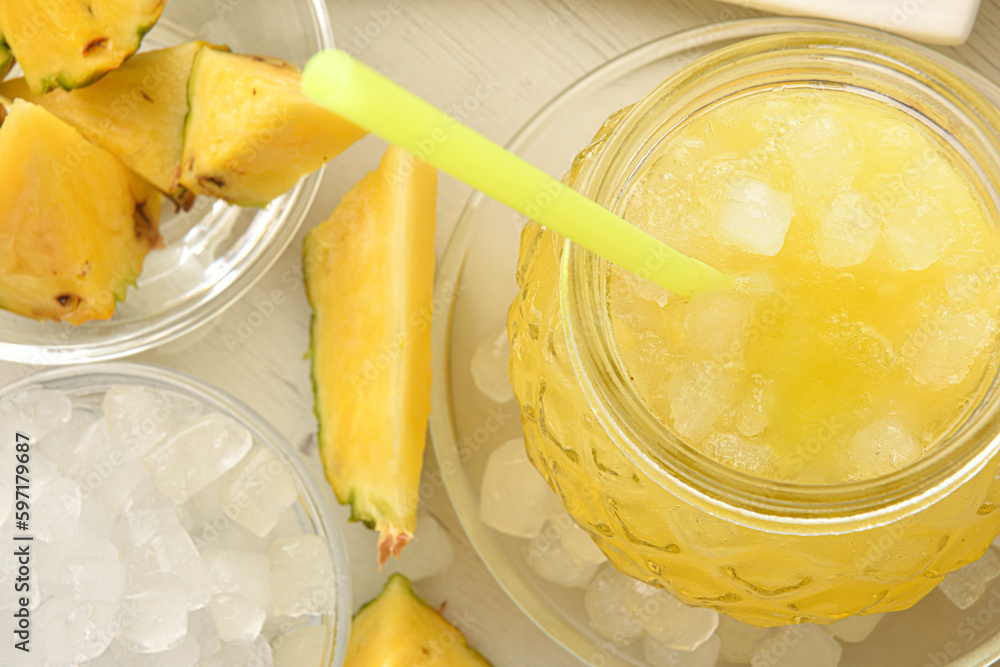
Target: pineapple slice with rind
[
  {"x": 251, "y": 132},
  {"x": 76, "y": 223},
  {"x": 398, "y": 629},
  {"x": 369, "y": 273},
  {"x": 72, "y": 43},
  {"x": 137, "y": 112}
]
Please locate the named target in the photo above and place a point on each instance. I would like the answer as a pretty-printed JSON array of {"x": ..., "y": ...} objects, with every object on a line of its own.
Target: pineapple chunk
[
  {"x": 369, "y": 273},
  {"x": 251, "y": 133},
  {"x": 6, "y": 58},
  {"x": 76, "y": 223},
  {"x": 137, "y": 112},
  {"x": 398, "y": 629},
  {"x": 73, "y": 43}
]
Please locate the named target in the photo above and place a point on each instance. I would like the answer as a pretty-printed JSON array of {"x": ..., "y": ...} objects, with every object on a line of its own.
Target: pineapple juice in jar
[{"x": 821, "y": 440}]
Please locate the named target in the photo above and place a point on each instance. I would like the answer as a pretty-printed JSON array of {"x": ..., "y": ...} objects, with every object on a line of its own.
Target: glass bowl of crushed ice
[{"x": 150, "y": 520}]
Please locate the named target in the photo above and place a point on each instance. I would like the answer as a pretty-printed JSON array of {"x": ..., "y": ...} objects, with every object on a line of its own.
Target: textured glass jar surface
[{"x": 667, "y": 539}]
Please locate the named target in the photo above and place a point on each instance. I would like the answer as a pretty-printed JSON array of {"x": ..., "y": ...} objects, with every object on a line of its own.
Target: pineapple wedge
[
  {"x": 6, "y": 58},
  {"x": 398, "y": 629},
  {"x": 251, "y": 133},
  {"x": 76, "y": 223},
  {"x": 72, "y": 43},
  {"x": 369, "y": 273},
  {"x": 137, "y": 112}
]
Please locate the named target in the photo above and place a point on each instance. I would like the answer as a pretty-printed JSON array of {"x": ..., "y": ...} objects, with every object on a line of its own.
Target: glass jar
[{"x": 766, "y": 552}]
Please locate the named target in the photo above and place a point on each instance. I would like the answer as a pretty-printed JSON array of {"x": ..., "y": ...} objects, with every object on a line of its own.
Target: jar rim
[{"x": 778, "y": 506}]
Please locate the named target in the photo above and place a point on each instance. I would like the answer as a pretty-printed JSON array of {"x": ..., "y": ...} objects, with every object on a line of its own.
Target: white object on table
[{"x": 932, "y": 21}]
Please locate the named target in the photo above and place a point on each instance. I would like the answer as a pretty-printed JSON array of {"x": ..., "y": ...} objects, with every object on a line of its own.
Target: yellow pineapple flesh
[
  {"x": 369, "y": 274},
  {"x": 72, "y": 43},
  {"x": 251, "y": 133},
  {"x": 6, "y": 58},
  {"x": 137, "y": 112},
  {"x": 76, "y": 222},
  {"x": 398, "y": 629}
]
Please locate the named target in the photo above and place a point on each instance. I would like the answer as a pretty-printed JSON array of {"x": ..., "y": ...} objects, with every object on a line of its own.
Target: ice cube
[
  {"x": 882, "y": 447},
  {"x": 659, "y": 654},
  {"x": 155, "y": 540},
  {"x": 740, "y": 454},
  {"x": 201, "y": 628},
  {"x": 854, "y": 629},
  {"x": 716, "y": 325},
  {"x": 576, "y": 542},
  {"x": 253, "y": 654},
  {"x": 940, "y": 352},
  {"x": 797, "y": 646},
  {"x": 824, "y": 151},
  {"x": 188, "y": 460},
  {"x": 916, "y": 235},
  {"x": 301, "y": 647},
  {"x": 96, "y": 519},
  {"x": 97, "y": 579},
  {"x": 753, "y": 412},
  {"x": 56, "y": 502},
  {"x": 184, "y": 654},
  {"x": 699, "y": 392},
  {"x": 605, "y": 605},
  {"x": 135, "y": 418},
  {"x": 966, "y": 585},
  {"x": 302, "y": 576},
  {"x": 62, "y": 440},
  {"x": 154, "y": 613},
  {"x": 489, "y": 365},
  {"x": 429, "y": 553},
  {"x": 514, "y": 497},
  {"x": 236, "y": 618},
  {"x": 258, "y": 491},
  {"x": 547, "y": 556},
  {"x": 71, "y": 631},
  {"x": 738, "y": 639},
  {"x": 848, "y": 230},
  {"x": 35, "y": 412},
  {"x": 51, "y": 558},
  {"x": 244, "y": 573},
  {"x": 667, "y": 619},
  {"x": 755, "y": 217}
]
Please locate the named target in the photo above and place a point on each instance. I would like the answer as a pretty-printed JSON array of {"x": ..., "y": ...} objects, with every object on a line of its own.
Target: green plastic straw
[{"x": 364, "y": 97}]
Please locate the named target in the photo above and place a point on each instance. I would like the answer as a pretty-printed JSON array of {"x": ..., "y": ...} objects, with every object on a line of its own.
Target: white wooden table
[{"x": 522, "y": 52}]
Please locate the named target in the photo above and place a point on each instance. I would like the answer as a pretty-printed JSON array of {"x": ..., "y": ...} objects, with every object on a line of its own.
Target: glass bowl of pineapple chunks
[
  {"x": 167, "y": 184},
  {"x": 169, "y": 525}
]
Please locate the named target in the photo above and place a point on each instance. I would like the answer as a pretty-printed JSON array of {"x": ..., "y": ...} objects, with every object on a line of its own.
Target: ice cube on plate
[
  {"x": 659, "y": 654},
  {"x": 154, "y": 613},
  {"x": 716, "y": 325},
  {"x": 755, "y": 217},
  {"x": 188, "y": 460},
  {"x": 854, "y": 629},
  {"x": 797, "y": 646},
  {"x": 739, "y": 453},
  {"x": 738, "y": 639},
  {"x": 966, "y": 585},
  {"x": 489, "y": 365},
  {"x": 35, "y": 412},
  {"x": 70, "y": 631},
  {"x": 848, "y": 230},
  {"x": 253, "y": 654},
  {"x": 97, "y": 579},
  {"x": 942, "y": 349},
  {"x": 236, "y": 618},
  {"x": 883, "y": 447},
  {"x": 135, "y": 418},
  {"x": 301, "y": 647},
  {"x": 667, "y": 619},
  {"x": 302, "y": 576},
  {"x": 201, "y": 629},
  {"x": 514, "y": 497},
  {"x": 429, "y": 554},
  {"x": 244, "y": 573},
  {"x": 257, "y": 491},
  {"x": 56, "y": 502},
  {"x": 547, "y": 557},
  {"x": 184, "y": 654},
  {"x": 916, "y": 235},
  {"x": 605, "y": 605}
]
